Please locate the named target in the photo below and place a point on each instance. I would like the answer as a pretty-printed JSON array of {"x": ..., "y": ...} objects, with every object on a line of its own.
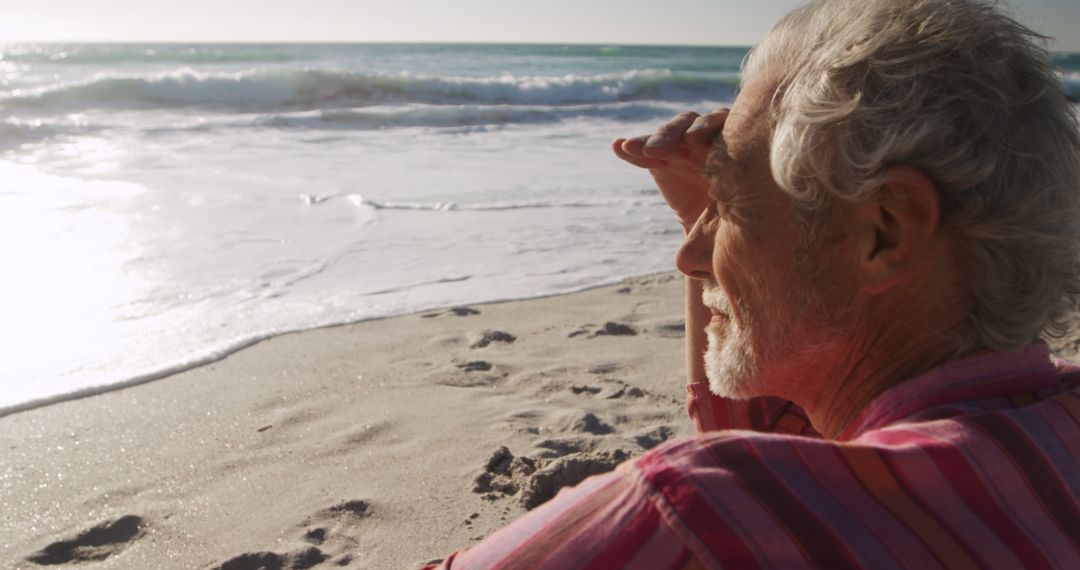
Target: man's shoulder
[
  {"x": 718, "y": 458},
  {"x": 712, "y": 447},
  {"x": 959, "y": 425},
  {"x": 953, "y": 440},
  {"x": 914, "y": 490}
]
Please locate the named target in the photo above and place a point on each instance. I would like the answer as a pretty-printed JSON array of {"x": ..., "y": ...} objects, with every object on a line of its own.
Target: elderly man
[{"x": 877, "y": 233}]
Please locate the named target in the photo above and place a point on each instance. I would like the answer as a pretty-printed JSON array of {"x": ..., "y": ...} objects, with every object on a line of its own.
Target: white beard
[
  {"x": 735, "y": 364},
  {"x": 731, "y": 362}
]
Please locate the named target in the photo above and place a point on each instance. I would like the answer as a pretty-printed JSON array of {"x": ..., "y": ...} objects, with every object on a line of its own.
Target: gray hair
[{"x": 964, "y": 93}]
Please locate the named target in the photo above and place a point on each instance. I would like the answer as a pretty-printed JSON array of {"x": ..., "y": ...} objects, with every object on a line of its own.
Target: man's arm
[
  {"x": 608, "y": 521},
  {"x": 676, "y": 156},
  {"x": 697, "y": 318}
]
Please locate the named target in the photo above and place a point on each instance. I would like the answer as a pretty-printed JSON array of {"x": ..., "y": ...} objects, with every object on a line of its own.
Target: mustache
[{"x": 715, "y": 298}]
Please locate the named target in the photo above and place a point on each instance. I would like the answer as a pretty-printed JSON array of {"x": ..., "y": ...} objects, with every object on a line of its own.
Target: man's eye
[{"x": 722, "y": 203}]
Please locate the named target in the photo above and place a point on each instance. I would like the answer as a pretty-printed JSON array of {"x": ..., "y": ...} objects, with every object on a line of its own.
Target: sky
[{"x": 700, "y": 22}]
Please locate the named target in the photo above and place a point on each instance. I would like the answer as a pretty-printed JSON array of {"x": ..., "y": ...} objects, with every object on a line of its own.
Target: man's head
[
  {"x": 772, "y": 313},
  {"x": 960, "y": 91},
  {"x": 939, "y": 121}
]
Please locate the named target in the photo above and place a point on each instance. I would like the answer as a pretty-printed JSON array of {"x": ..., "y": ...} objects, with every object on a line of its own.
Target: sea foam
[{"x": 318, "y": 88}]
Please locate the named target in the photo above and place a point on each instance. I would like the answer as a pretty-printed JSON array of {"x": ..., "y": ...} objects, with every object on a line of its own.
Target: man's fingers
[
  {"x": 669, "y": 137},
  {"x": 705, "y": 128},
  {"x": 633, "y": 145},
  {"x": 630, "y": 151},
  {"x": 688, "y": 135}
]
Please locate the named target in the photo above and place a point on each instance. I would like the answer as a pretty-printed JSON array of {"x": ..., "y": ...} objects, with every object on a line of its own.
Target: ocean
[{"x": 164, "y": 205}]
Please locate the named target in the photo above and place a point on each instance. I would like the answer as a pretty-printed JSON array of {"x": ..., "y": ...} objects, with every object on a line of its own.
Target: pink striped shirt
[{"x": 975, "y": 464}]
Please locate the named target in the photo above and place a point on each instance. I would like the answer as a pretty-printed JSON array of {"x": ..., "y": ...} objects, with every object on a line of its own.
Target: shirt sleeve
[
  {"x": 605, "y": 522},
  {"x": 771, "y": 415}
]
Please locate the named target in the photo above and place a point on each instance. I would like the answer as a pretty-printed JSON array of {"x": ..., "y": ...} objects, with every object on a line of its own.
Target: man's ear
[{"x": 895, "y": 231}]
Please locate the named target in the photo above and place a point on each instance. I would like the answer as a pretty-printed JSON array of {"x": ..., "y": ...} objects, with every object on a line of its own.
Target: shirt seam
[{"x": 669, "y": 515}]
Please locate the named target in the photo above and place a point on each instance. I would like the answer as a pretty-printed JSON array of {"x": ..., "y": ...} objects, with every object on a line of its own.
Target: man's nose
[{"x": 695, "y": 255}]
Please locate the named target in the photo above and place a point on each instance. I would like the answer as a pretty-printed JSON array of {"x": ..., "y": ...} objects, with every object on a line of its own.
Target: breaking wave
[{"x": 317, "y": 89}]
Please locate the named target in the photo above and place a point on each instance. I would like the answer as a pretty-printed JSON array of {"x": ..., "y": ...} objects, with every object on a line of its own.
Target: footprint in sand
[
  {"x": 604, "y": 368},
  {"x": 475, "y": 366},
  {"x": 469, "y": 374},
  {"x": 300, "y": 559},
  {"x": 675, "y": 329},
  {"x": 585, "y": 389},
  {"x": 488, "y": 337},
  {"x": 94, "y": 544},
  {"x": 325, "y": 532},
  {"x": 583, "y": 329},
  {"x": 610, "y": 328},
  {"x": 316, "y": 535},
  {"x": 616, "y": 329},
  {"x": 349, "y": 511}
]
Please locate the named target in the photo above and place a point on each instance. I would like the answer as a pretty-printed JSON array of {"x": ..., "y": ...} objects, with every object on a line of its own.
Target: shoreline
[
  {"x": 213, "y": 355},
  {"x": 362, "y": 446}
]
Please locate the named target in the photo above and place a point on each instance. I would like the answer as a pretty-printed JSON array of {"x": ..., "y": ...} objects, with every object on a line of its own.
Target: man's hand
[{"x": 675, "y": 156}]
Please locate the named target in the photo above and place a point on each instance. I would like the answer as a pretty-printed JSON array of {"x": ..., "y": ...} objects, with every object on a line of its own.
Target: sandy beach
[{"x": 383, "y": 444}]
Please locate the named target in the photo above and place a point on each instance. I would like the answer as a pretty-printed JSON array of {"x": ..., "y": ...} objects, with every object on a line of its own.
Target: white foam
[
  {"x": 512, "y": 205},
  {"x": 202, "y": 252},
  {"x": 321, "y": 87}
]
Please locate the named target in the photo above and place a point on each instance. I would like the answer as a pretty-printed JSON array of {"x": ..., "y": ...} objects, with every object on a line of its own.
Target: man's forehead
[
  {"x": 746, "y": 130},
  {"x": 749, "y": 117}
]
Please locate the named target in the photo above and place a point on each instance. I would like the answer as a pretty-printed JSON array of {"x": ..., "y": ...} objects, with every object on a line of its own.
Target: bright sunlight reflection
[{"x": 64, "y": 248}]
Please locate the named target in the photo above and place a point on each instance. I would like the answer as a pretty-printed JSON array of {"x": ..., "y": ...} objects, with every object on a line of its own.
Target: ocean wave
[
  {"x": 318, "y": 88},
  {"x": 436, "y": 116},
  {"x": 15, "y": 132}
]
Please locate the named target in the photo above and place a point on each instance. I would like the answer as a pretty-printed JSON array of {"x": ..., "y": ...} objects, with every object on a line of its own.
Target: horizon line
[
  {"x": 365, "y": 42},
  {"x": 4, "y": 43}
]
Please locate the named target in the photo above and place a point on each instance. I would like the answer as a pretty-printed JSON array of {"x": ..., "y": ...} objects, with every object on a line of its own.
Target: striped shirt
[{"x": 975, "y": 464}]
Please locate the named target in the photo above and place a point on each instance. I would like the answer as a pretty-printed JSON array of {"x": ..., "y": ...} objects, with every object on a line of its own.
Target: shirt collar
[{"x": 979, "y": 376}]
